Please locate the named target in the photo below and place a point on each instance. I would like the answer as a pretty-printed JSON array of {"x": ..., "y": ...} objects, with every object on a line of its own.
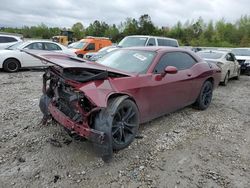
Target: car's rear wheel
[
  {"x": 224, "y": 83},
  {"x": 11, "y": 65},
  {"x": 119, "y": 122},
  {"x": 238, "y": 75},
  {"x": 205, "y": 97}
]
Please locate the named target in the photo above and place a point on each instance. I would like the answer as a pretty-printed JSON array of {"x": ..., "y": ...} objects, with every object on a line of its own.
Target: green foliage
[
  {"x": 78, "y": 30},
  {"x": 194, "y": 32}
]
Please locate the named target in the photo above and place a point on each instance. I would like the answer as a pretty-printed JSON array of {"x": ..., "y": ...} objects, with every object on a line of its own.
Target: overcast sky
[{"x": 64, "y": 13}]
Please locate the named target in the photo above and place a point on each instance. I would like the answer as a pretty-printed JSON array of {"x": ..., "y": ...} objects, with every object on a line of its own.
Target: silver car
[{"x": 225, "y": 60}]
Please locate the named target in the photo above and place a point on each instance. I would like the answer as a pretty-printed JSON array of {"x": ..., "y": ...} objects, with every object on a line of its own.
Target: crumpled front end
[{"x": 69, "y": 106}]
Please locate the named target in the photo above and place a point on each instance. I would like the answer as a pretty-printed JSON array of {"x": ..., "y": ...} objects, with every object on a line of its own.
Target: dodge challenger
[{"x": 107, "y": 100}]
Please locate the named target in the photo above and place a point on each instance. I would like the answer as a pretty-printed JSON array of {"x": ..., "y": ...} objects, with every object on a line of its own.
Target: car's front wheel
[
  {"x": 224, "y": 83},
  {"x": 205, "y": 97},
  {"x": 11, "y": 65},
  {"x": 119, "y": 122}
]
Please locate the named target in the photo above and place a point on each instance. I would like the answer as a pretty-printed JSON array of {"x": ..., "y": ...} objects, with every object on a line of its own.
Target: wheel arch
[
  {"x": 14, "y": 59},
  {"x": 211, "y": 79},
  {"x": 123, "y": 96}
]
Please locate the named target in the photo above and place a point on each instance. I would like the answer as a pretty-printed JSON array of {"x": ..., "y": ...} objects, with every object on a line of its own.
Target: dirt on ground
[{"x": 187, "y": 148}]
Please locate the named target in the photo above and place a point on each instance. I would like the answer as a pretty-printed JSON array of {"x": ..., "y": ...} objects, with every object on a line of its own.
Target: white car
[
  {"x": 12, "y": 58},
  {"x": 9, "y": 40},
  {"x": 226, "y": 60},
  {"x": 243, "y": 57}
]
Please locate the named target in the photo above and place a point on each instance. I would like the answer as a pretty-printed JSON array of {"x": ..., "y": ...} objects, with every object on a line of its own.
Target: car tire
[
  {"x": 248, "y": 73},
  {"x": 80, "y": 55},
  {"x": 225, "y": 82},
  {"x": 120, "y": 122},
  {"x": 238, "y": 75},
  {"x": 11, "y": 65},
  {"x": 205, "y": 97}
]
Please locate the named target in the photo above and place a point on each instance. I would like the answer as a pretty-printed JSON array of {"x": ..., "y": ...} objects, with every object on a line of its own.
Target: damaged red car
[{"x": 105, "y": 101}]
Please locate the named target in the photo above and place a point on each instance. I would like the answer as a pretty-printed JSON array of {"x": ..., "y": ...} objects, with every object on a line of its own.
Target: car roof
[
  {"x": 150, "y": 36},
  {"x": 241, "y": 48},
  {"x": 216, "y": 51},
  {"x": 157, "y": 48},
  {"x": 13, "y": 36}
]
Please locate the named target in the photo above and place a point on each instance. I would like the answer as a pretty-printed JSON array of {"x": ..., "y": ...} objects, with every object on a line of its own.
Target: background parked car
[
  {"x": 8, "y": 40},
  {"x": 89, "y": 44},
  {"x": 145, "y": 40},
  {"x": 243, "y": 57},
  {"x": 102, "y": 52},
  {"x": 225, "y": 60},
  {"x": 12, "y": 59}
]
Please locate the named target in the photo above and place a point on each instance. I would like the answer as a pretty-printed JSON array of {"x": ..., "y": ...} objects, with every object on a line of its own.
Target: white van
[{"x": 145, "y": 40}]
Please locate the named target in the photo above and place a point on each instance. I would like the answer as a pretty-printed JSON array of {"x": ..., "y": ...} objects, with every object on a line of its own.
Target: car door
[
  {"x": 236, "y": 64},
  {"x": 151, "y": 42},
  {"x": 231, "y": 65},
  {"x": 52, "y": 47},
  {"x": 172, "y": 91},
  {"x": 28, "y": 60}
]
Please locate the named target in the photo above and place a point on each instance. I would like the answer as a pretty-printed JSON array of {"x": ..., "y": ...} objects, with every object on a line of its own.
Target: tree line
[{"x": 194, "y": 32}]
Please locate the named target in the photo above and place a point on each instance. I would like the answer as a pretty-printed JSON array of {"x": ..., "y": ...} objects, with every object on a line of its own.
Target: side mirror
[{"x": 170, "y": 70}]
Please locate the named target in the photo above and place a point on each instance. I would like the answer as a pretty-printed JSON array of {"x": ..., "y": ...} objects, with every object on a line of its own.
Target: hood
[
  {"x": 242, "y": 57},
  {"x": 211, "y": 60},
  {"x": 69, "y": 62},
  {"x": 74, "y": 50}
]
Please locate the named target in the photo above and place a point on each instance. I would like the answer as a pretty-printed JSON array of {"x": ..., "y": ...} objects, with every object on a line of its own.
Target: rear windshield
[
  {"x": 166, "y": 42},
  {"x": 133, "y": 41},
  {"x": 241, "y": 52},
  {"x": 210, "y": 55}
]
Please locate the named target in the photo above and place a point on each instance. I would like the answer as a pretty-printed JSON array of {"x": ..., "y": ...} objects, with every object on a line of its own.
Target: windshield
[
  {"x": 133, "y": 41},
  {"x": 210, "y": 55},
  {"x": 131, "y": 61},
  {"x": 241, "y": 52},
  {"x": 77, "y": 45},
  {"x": 15, "y": 46}
]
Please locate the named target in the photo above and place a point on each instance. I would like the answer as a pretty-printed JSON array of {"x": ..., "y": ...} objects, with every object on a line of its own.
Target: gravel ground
[{"x": 188, "y": 148}]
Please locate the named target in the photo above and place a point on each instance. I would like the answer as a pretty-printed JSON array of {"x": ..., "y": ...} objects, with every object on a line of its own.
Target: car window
[
  {"x": 35, "y": 46},
  {"x": 77, "y": 45},
  {"x": 151, "y": 42},
  {"x": 91, "y": 46},
  {"x": 6, "y": 39},
  {"x": 133, "y": 41},
  {"x": 229, "y": 57},
  {"x": 180, "y": 60},
  {"x": 166, "y": 42},
  {"x": 132, "y": 61},
  {"x": 210, "y": 54},
  {"x": 241, "y": 52},
  {"x": 51, "y": 47}
]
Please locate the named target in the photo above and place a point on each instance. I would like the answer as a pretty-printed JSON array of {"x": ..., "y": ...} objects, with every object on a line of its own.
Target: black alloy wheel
[
  {"x": 125, "y": 124},
  {"x": 205, "y": 97}
]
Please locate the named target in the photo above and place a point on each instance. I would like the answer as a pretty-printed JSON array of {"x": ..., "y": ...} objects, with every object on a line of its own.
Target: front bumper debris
[{"x": 49, "y": 110}]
